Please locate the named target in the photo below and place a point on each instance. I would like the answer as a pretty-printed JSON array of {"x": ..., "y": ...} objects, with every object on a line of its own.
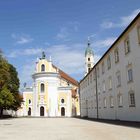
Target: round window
[{"x": 62, "y": 100}]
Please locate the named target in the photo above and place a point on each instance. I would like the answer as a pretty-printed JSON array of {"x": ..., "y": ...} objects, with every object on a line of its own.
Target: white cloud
[
  {"x": 22, "y": 39},
  {"x": 104, "y": 43},
  {"x": 25, "y": 52},
  {"x": 26, "y": 73},
  {"x": 123, "y": 21},
  {"x": 70, "y": 58},
  {"x": 67, "y": 30},
  {"x": 63, "y": 34}
]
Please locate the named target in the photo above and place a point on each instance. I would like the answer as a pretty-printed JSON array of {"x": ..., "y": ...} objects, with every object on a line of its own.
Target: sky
[{"x": 61, "y": 29}]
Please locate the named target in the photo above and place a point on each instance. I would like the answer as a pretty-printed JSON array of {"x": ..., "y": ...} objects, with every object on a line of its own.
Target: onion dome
[{"x": 89, "y": 50}]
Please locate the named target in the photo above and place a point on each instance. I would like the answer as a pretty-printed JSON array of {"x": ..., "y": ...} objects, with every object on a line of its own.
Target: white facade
[
  {"x": 111, "y": 89},
  {"x": 50, "y": 86}
]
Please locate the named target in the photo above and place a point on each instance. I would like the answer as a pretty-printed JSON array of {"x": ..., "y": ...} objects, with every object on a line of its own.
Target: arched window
[
  {"x": 29, "y": 101},
  {"x": 62, "y": 100},
  {"x": 42, "y": 67},
  {"x": 42, "y": 88}
]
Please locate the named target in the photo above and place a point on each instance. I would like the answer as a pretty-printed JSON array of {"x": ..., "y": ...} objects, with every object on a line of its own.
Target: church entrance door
[
  {"x": 41, "y": 111},
  {"x": 29, "y": 112},
  {"x": 62, "y": 111}
]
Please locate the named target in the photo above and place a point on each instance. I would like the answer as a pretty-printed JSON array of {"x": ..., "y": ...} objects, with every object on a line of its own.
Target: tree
[
  {"x": 9, "y": 86},
  {"x": 13, "y": 86},
  {"x": 6, "y": 99}
]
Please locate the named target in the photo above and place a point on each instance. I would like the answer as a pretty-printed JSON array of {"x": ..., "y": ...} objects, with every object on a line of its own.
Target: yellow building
[{"x": 54, "y": 93}]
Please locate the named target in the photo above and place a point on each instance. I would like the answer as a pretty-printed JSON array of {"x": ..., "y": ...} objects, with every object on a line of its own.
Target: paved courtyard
[{"x": 64, "y": 129}]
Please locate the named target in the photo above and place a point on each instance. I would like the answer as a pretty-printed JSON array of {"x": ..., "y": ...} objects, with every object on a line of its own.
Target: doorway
[
  {"x": 62, "y": 111},
  {"x": 41, "y": 111},
  {"x": 29, "y": 112}
]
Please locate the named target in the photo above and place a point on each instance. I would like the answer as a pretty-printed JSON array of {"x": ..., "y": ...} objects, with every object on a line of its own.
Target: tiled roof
[{"x": 66, "y": 76}]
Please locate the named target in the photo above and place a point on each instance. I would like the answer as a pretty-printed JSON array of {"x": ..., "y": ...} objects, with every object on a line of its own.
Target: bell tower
[{"x": 89, "y": 58}]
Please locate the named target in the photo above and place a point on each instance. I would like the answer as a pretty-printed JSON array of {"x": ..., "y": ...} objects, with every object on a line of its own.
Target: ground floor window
[
  {"x": 131, "y": 99},
  {"x": 120, "y": 100}
]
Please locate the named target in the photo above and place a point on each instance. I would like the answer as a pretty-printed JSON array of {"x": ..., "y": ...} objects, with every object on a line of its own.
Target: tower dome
[{"x": 88, "y": 50}]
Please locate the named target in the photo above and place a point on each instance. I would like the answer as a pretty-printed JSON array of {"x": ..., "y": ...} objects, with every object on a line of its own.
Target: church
[{"x": 54, "y": 93}]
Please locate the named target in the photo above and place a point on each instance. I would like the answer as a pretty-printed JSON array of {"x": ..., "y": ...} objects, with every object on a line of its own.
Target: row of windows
[
  {"x": 119, "y": 100},
  {"x": 118, "y": 79},
  {"x": 127, "y": 49}
]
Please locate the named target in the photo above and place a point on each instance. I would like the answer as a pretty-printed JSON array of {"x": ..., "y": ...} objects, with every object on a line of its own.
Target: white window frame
[
  {"x": 110, "y": 82},
  {"x": 127, "y": 45},
  {"x": 130, "y": 74},
  {"x": 116, "y": 53},
  {"x": 132, "y": 101},
  {"x": 120, "y": 100},
  {"x": 111, "y": 101},
  {"x": 105, "y": 102},
  {"x": 108, "y": 62},
  {"x": 118, "y": 77}
]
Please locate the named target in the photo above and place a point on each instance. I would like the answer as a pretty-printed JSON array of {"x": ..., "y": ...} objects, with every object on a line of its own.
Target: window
[
  {"x": 29, "y": 101},
  {"x": 91, "y": 78},
  {"x": 88, "y": 69},
  {"x": 42, "y": 88},
  {"x": 108, "y": 63},
  {"x": 138, "y": 31},
  {"x": 104, "y": 86},
  {"x": 127, "y": 46},
  {"x": 88, "y": 59},
  {"x": 110, "y": 83},
  {"x": 118, "y": 75},
  {"x": 131, "y": 99},
  {"x": 42, "y": 67},
  {"x": 103, "y": 68},
  {"x": 89, "y": 65},
  {"x": 116, "y": 53},
  {"x": 120, "y": 100},
  {"x": 130, "y": 75},
  {"x": 111, "y": 102},
  {"x": 105, "y": 104},
  {"x": 62, "y": 100}
]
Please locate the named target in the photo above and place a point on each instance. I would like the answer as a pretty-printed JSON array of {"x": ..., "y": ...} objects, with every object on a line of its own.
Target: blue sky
[{"x": 60, "y": 28}]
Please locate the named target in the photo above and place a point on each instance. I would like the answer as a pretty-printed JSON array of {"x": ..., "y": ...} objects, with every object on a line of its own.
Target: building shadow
[{"x": 133, "y": 124}]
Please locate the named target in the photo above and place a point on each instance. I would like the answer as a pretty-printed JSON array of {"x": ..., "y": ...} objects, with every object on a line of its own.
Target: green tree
[
  {"x": 6, "y": 99},
  {"x": 9, "y": 85},
  {"x": 13, "y": 86}
]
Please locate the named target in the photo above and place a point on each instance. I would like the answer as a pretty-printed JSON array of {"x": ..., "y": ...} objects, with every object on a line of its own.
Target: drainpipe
[{"x": 97, "y": 108}]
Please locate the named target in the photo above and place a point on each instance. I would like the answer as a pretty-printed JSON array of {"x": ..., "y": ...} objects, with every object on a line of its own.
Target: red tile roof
[{"x": 66, "y": 76}]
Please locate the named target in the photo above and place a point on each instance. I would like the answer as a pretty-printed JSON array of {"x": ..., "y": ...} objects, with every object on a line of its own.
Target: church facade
[{"x": 54, "y": 93}]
